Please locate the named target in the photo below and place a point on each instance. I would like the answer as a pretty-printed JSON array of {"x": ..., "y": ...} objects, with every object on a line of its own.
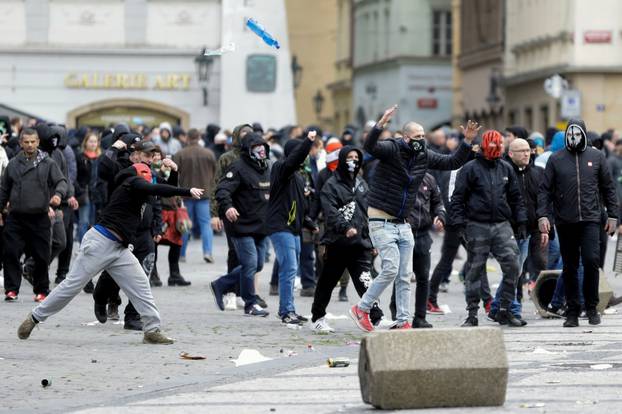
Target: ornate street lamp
[
  {"x": 296, "y": 72},
  {"x": 318, "y": 103},
  {"x": 203, "y": 64}
]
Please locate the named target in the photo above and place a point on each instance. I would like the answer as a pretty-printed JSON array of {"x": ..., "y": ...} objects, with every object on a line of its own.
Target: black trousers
[
  {"x": 580, "y": 240},
  {"x": 357, "y": 260},
  {"x": 442, "y": 271},
  {"x": 64, "y": 258},
  {"x": 107, "y": 290},
  {"x": 421, "y": 267},
  {"x": 27, "y": 232}
]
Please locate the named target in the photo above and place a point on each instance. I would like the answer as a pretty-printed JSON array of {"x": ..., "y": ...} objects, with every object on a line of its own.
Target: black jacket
[
  {"x": 344, "y": 204},
  {"x": 246, "y": 187},
  {"x": 574, "y": 183},
  {"x": 487, "y": 192},
  {"x": 529, "y": 180},
  {"x": 124, "y": 213},
  {"x": 287, "y": 206},
  {"x": 396, "y": 180},
  {"x": 428, "y": 205},
  {"x": 29, "y": 185}
]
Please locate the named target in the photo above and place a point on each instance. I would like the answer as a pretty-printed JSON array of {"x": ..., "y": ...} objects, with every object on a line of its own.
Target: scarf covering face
[
  {"x": 143, "y": 170},
  {"x": 492, "y": 143}
]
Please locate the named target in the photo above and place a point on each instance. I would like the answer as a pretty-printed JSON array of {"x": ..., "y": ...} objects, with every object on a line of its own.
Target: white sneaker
[
  {"x": 385, "y": 324},
  {"x": 297, "y": 284},
  {"x": 322, "y": 327},
  {"x": 239, "y": 302},
  {"x": 229, "y": 300}
]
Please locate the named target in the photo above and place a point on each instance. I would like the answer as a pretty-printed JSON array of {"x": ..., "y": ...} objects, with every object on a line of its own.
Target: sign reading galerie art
[{"x": 96, "y": 80}]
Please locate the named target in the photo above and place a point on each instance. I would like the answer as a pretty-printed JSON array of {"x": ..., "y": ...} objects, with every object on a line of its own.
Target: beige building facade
[{"x": 582, "y": 42}]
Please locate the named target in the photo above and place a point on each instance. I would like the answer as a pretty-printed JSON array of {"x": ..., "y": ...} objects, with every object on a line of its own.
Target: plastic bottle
[{"x": 261, "y": 32}]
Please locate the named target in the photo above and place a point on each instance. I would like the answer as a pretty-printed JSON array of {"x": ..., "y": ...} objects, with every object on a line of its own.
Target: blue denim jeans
[
  {"x": 395, "y": 243},
  {"x": 86, "y": 219},
  {"x": 559, "y": 296},
  {"x": 287, "y": 252},
  {"x": 554, "y": 255},
  {"x": 199, "y": 212},
  {"x": 251, "y": 251},
  {"x": 516, "y": 307}
]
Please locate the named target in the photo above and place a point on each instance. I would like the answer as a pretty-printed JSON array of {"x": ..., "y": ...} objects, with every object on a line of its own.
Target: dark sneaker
[
  {"x": 10, "y": 296},
  {"x": 291, "y": 319},
  {"x": 208, "y": 258},
  {"x": 301, "y": 318},
  {"x": 571, "y": 321},
  {"x": 100, "y": 312},
  {"x": 343, "y": 295},
  {"x": 261, "y": 302},
  {"x": 256, "y": 310},
  {"x": 307, "y": 292},
  {"x": 157, "y": 338},
  {"x": 133, "y": 324},
  {"x": 433, "y": 309},
  {"x": 113, "y": 312},
  {"x": 492, "y": 316},
  {"x": 593, "y": 317},
  {"x": 59, "y": 279},
  {"x": 470, "y": 321},
  {"x": 421, "y": 323},
  {"x": 361, "y": 319},
  {"x": 24, "y": 330},
  {"x": 217, "y": 294},
  {"x": 274, "y": 290},
  {"x": 178, "y": 280},
  {"x": 89, "y": 287},
  {"x": 504, "y": 317},
  {"x": 555, "y": 311},
  {"x": 154, "y": 280}
]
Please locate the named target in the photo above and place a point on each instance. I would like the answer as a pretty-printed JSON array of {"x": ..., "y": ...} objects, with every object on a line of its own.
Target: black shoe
[
  {"x": 505, "y": 317},
  {"x": 301, "y": 318},
  {"x": 492, "y": 316},
  {"x": 261, "y": 302},
  {"x": 100, "y": 312},
  {"x": 571, "y": 321},
  {"x": 154, "y": 280},
  {"x": 217, "y": 293},
  {"x": 421, "y": 323},
  {"x": 274, "y": 290},
  {"x": 59, "y": 278},
  {"x": 176, "y": 279},
  {"x": 470, "y": 321},
  {"x": 343, "y": 296},
  {"x": 89, "y": 288},
  {"x": 307, "y": 292},
  {"x": 593, "y": 317},
  {"x": 291, "y": 319},
  {"x": 256, "y": 310},
  {"x": 555, "y": 311},
  {"x": 133, "y": 324},
  {"x": 113, "y": 311}
]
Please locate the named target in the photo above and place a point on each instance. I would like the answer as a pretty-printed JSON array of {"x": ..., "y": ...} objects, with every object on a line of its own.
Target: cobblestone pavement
[{"x": 95, "y": 368}]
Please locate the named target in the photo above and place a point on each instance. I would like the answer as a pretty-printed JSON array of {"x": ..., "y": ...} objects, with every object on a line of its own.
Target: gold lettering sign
[{"x": 96, "y": 80}]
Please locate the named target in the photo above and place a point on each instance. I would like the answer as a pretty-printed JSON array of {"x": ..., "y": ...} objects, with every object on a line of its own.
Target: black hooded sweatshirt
[
  {"x": 288, "y": 204},
  {"x": 344, "y": 203},
  {"x": 246, "y": 187},
  {"x": 128, "y": 201}
]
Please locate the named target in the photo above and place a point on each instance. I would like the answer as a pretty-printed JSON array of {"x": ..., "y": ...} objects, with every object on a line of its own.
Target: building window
[
  {"x": 544, "y": 116},
  {"x": 261, "y": 73},
  {"x": 528, "y": 118},
  {"x": 441, "y": 33},
  {"x": 512, "y": 117}
]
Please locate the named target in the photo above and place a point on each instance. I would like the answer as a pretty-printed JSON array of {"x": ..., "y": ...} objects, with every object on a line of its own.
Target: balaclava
[
  {"x": 143, "y": 170},
  {"x": 576, "y": 136},
  {"x": 492, "y": 144}
]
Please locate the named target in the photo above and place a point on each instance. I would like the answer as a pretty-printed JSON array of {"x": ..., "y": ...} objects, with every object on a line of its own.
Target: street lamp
[
  {"x": 318, "y": 102},
  {"x": 493, "y": 97},
  {"x": 296, "y": 71},
  {"x": 203, "y": 64}
]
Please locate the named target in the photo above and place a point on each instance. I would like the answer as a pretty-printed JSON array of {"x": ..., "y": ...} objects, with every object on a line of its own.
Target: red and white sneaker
[
  {"x": 10, "y": 296},
  {"x": 361, "y": 319},
  {"x": 487, "y": 306},
  {"x": 40, "y": 297},
  {"x": 405, "y": 325},
  {"x": 433, "y": 309}
]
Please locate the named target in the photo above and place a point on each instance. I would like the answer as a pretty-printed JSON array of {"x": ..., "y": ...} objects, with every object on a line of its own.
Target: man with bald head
[
  {"x": 402, "y": 165},
  {"x": 529, "y": 178}
]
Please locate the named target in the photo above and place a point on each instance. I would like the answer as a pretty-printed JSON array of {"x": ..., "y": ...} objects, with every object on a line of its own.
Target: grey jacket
[{"x": 29, "y": 185}]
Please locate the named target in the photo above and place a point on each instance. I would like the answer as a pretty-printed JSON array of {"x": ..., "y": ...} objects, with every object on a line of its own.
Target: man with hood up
[
  {"x": 346, "y": 239},
  {"x": 106, "y": 247},
  {"x": 575, "y": 180},
  {"x": 242, "y": 195},
  {"x": 487, "y": 199},
  {"x": 167, "y": 142}
]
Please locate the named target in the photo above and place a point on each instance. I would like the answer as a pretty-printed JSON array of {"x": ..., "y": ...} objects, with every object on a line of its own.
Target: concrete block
[{"x": 455, "y": 367}]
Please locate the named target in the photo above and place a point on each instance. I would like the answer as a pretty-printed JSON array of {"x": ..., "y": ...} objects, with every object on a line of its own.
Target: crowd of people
[{"x": 329, "y": 206}]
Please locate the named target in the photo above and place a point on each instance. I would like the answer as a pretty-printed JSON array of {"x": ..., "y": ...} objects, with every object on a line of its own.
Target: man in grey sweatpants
[{"x": 106, "y": 247}]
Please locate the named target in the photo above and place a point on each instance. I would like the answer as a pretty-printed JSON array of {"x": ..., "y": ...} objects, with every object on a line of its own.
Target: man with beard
[
  {"x": 575, "y": 181},
  {"x": 242, "y": 196},
  {"x": 485, "y": 202}
]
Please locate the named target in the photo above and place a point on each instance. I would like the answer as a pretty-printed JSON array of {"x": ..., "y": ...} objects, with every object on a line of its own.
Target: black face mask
[{"x": 417, "y": 145}]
